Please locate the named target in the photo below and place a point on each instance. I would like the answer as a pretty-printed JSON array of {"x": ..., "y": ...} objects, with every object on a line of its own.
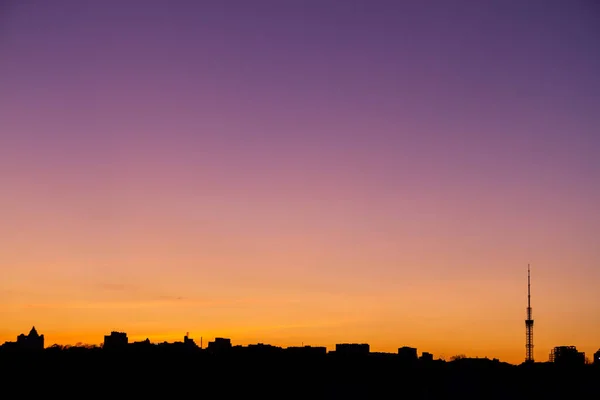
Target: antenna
[
  {"x": 528, "y": 287},
  {"x": 529, "y": 322}
]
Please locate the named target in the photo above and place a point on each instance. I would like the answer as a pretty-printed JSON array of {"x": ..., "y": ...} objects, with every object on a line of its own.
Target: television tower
[{"x": 529, "y": 322}]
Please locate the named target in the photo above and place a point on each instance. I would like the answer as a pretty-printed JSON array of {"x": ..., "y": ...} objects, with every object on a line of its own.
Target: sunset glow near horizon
[{"x": 293, "y": 172}]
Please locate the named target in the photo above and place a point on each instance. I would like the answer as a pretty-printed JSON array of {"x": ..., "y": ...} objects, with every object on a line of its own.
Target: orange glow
[{"x": 445, "y": 318}]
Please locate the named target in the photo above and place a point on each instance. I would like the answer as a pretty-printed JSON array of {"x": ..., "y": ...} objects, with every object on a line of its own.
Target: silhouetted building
[
  {"x": 263, "y": 349},
  {"x": 33, "y": 341},
  {"x": 596, "y": 358},
  {"x": 143, "y": 345},
  {"x": 408, "y": 354},
  {"x": 116, "y": 340},
  {"x": 381, "y": 356},
  {"x": 307, "y": 351},
  {"x": 188, "y": 341},
  {"x": 219, "y": 345},
  {"x": 425, "y": 356},
  {"x": 567, "y": 355},
  {"x": 352, "y": 348}
]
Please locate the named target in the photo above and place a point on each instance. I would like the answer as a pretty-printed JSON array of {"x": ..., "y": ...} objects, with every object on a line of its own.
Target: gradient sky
[{"x": 302, "y": 171}]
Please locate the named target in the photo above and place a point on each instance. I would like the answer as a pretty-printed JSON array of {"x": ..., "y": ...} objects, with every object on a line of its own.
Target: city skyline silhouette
[
  {"x": 120, "y": 341},
  {"x": 349, "y": 371}
]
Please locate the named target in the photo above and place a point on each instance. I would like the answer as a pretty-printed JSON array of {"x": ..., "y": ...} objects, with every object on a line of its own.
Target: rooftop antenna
[{"x": 529, "y": 322}]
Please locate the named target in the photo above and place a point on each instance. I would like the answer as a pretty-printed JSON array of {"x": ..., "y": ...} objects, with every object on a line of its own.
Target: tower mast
[{"x": 529, "y": 322}]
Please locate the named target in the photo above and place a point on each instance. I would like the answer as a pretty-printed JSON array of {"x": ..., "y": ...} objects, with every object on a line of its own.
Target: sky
[{"x": 311, "y": 171}]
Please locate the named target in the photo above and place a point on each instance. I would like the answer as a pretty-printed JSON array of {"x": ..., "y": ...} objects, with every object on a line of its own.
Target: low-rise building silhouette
[
  {"x": 596, "y": 358},
  {"x": 567, "y": 355},
  {"x": 116, "y": 340},
  {"x": 307, "y": 351},
  {"x": 425, "y": 356},
  {"x": 142, "y": 345},
  {"x": 352, "y": 348},
  {"x": 408, "y": 354},
  {"x": 219, "y": 345},
  {"x": 261, "y": 349}
]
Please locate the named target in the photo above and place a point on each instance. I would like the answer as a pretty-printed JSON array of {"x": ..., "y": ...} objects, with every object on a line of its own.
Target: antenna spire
[{"x": 528, "y": 286}]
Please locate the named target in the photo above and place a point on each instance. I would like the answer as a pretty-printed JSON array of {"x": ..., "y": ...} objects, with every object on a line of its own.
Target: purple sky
[{"x": 339, "y": 146}]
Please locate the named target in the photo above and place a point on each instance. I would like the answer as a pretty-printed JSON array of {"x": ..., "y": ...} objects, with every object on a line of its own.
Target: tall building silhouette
[{"x": 529, "y": 322}]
